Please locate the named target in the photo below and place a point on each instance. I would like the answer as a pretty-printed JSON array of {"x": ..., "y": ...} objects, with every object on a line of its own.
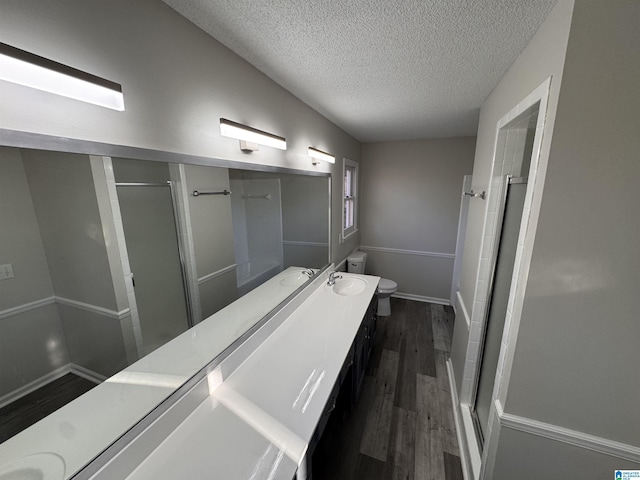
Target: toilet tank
[{"x": 356, "y": 262}]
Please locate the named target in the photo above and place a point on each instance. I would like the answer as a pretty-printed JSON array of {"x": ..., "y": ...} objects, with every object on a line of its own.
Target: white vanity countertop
[
  {"x": 258, "y": 422},
  {"x": 214, "y": 443},
  {"x": 80, "y": 430}
]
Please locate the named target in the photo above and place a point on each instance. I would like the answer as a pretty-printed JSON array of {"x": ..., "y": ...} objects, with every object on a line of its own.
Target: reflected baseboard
[
  {"x": 421, "y": 298},
  {"x": 48, "y": 378}
]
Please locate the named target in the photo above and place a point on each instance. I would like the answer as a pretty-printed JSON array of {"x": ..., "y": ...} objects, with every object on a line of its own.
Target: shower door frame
[
  {"x": 181, "y": 254},
  {"x": 500, "y": 218},
  {"x": 478, "y": 460}
]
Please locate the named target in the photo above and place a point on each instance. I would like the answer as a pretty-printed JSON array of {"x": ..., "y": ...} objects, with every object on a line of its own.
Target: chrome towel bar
[
  {"x": 197, "y": 193},
  {"x": 473, "y": 194}
]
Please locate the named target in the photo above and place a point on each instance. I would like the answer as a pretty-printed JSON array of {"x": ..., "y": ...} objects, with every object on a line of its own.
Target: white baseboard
[
  {"x": 566, "y": 435},
  {"x": 48, "y": 378},
  {"x": 86, "y": 373},
  {"x": 33, "y": 385},
  {"x": 421, "y": 298}
]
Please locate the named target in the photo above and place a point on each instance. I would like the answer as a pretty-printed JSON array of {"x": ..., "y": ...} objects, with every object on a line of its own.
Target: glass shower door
[
  {"x": 516, "y": 189},
  {"x": 154, "y": 256}
]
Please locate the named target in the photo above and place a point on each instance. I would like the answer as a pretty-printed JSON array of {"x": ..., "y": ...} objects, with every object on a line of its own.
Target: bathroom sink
[
  {"x": 349, "y": 286},
  {"x": 41, "y": 466},
  {"x": 294, "y": 279}
]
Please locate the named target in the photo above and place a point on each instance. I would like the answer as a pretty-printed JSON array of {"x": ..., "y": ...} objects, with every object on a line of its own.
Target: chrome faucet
[
  {"x": 333, "y": 276},
  {"x": 308, "y": 272}
]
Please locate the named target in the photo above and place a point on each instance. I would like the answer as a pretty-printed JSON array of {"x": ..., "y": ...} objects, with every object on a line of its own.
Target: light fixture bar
[
  {"x": 320, "y": 155},
  {"x": 31, "y": 70},
  {"x": 238, "y": 131}
]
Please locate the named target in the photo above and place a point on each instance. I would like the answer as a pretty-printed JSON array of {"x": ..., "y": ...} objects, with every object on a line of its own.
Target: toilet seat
[{"x": 387, "y": 286}]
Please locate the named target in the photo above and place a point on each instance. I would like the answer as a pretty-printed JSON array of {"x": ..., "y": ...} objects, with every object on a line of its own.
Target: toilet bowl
[
  {"x": 355, "y": 264},
  {"x": 386, "y": 288}
]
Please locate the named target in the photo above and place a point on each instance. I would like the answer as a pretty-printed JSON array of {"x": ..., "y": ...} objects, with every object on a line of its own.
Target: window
[{"x": 349, "y": 200}]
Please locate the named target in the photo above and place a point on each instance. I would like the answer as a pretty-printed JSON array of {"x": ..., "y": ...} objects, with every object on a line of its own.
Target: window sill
[{"x": 349, "y": 235}]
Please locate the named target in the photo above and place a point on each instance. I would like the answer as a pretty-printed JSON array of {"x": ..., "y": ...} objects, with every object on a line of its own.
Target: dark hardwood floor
[
  {"x": 402, "y": 426},
  {"x": 33, "y": 407}
]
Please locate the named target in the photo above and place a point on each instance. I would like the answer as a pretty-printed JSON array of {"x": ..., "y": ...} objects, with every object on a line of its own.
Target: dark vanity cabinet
[
  {"x": 346, "y": 390},
  {"x": 362, "y": 346}
]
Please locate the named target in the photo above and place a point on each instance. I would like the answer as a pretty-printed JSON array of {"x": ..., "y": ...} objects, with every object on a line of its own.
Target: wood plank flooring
[
  {"x": 33, "y": 407},
  {"x": 402, "y": 426}
]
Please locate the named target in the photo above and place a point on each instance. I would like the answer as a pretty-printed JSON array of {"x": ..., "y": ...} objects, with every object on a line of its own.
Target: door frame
[{"x": 478, "y": 454}]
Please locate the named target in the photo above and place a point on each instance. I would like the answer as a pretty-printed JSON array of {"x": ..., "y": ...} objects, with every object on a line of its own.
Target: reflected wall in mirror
[{"x": 113, "y": 257}]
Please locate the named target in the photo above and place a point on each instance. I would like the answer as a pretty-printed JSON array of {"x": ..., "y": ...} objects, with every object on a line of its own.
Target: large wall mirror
[{"x": 110, "y": 261}]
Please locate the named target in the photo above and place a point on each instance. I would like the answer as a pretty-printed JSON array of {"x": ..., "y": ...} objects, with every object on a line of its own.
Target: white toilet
[{"x": 355, "y": 264}]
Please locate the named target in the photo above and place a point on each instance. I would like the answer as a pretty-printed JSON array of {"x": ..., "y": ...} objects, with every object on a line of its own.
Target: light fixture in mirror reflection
[{"x": 159, "y": 261}]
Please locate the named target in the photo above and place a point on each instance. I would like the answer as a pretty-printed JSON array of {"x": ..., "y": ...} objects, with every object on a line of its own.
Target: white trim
[
  {"x": 40, "y": 382},
  {"x": 105, "y": 312},
  {"x": 86, "y": 373},
  {"x": 421, "y": 298},
  {"x": 418, "y": 253},
  {"x": 349, "y": 235},
  {"x": 345, "y": 233},
  {"x": 32, "y": 386},
  {"x": 465, "y": 313},
  {"x": 216, "y": 274},
  {"x": 305, "y": 244},
  {"x": 473, "y": 448},
  {"x": 43, "y": 302},
  {"x": 566, "y": 435},
  {"x": 465, "y": 460}
]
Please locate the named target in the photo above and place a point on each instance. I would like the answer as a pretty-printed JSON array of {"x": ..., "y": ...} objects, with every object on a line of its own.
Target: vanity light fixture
[
  {"x": 316, "y": 155},
  {"x": 250, "y": 135},
  {"x": 31, "y": 70}
]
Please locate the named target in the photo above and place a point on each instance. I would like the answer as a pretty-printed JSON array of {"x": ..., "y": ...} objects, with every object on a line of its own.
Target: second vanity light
[
  {"x": 316, "y": 155},
  {"x": 244, "y": 133}
]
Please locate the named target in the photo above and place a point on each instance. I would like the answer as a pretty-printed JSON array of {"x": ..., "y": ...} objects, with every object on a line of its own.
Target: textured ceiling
[{"x": 380, "y": 69}]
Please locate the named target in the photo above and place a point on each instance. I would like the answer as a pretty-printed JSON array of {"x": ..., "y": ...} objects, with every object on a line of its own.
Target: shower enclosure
[{"x": 154, "y": 253}]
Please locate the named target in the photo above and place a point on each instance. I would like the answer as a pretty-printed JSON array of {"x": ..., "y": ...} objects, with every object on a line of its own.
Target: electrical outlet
[{"x": 6, "y": 271}]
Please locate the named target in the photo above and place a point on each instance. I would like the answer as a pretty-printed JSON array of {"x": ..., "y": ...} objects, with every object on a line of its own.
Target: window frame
[{"x": 350, "y": 165}]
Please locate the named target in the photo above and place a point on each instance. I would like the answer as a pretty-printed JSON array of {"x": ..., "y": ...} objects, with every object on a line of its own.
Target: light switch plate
[{"x": 6, "y": 271}]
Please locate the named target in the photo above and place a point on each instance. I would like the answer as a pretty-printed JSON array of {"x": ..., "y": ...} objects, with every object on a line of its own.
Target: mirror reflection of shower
[
  {"x": 256, "y": 206},
  {"x": 153, "y": 250},
  {"x": 106, "y": 274}
]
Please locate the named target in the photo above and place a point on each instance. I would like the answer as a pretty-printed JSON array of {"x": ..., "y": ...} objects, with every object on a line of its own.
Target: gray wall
[
  {"x": 32, "y": 343},
  {"x": 212, "y": 233},
  {"x": 177, "y": 82},
  {"x": 582, "y": 293},
  {"x": 66, "y": 207},
  {"x": 575, "y": 360},
  {"x": 541, "y": 59},
  {"x": 305, "y": 220},
  {"x": 20, "y": 242},
  {"x": 410, "y": 201}
]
